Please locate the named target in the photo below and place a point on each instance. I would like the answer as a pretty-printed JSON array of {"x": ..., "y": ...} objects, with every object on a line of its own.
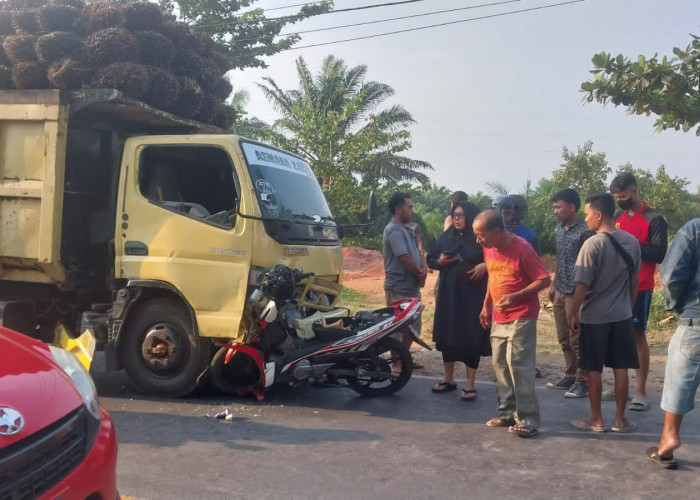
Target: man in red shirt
[
  {"x": 651, "y": 230},
  {"x": 511, "y": 308}
]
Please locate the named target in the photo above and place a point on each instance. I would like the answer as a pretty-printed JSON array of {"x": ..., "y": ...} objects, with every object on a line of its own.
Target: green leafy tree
[
  {"x": 481, "y": 200},
  {"x": 582, "y": 170},
  {"x": 334, "y": 121},
  {"x": 432, "y": 205},
  {"x": 666, "y": 87},
  {"x": 244, "y": 36}
]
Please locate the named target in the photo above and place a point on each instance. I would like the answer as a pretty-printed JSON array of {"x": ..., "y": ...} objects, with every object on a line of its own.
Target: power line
[
  {"x": 385, "y": 20},
  {"x": 290, "y": 6},
  {"x": 436, "y": 25},
  {"x": 285, "y": 18}
]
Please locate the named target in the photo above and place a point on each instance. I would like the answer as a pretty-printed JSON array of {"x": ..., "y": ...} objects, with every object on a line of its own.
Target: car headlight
[{"x": 80, "y": 377}]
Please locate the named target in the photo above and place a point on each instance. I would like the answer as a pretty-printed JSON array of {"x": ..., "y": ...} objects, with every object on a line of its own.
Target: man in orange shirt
[{"x": 511, "y": 308}]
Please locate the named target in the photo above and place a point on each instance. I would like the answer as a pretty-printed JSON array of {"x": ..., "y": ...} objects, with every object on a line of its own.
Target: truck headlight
[{"x": 80, "y": 377}]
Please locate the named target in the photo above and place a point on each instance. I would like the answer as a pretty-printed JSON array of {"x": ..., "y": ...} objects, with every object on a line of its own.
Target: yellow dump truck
[{"x": 145, "y": 229}]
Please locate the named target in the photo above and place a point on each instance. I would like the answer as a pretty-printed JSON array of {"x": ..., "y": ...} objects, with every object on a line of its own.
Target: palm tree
[{"x": 333, "y": 120}]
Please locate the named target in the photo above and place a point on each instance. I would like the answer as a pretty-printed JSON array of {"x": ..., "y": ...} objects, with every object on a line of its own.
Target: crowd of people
[{"x": 487, "y": 303}]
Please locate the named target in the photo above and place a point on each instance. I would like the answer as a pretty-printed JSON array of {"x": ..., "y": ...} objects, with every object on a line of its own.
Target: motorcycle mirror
[{"x": 269, "y": 312}]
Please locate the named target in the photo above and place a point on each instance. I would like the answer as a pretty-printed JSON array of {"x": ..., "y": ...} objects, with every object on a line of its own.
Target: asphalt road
[{"x": 330, "y": 443}]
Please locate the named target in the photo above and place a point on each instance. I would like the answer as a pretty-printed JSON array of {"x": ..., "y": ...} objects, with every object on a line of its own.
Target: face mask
[{"x": 625, "y": 204}]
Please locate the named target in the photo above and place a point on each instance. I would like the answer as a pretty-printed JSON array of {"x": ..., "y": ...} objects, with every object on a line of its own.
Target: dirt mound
[{"x": 362, "y": 263}]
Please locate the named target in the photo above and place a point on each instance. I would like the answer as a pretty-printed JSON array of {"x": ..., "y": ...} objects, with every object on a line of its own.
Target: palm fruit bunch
[{"x": 133, "y": 47}]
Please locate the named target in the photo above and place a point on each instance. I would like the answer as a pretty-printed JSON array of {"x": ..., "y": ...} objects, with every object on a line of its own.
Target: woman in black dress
[{"x": 457, "y": 332}]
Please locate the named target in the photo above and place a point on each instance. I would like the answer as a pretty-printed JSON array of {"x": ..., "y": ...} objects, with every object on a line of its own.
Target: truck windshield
[{"x": 285, "y": 185}]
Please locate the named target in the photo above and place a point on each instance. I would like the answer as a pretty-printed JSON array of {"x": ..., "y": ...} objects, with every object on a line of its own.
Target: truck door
[{"x": 177, "y": 228}]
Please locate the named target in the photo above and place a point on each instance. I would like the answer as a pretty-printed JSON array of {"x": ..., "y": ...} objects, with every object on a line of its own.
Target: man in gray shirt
[
  {"x": 404, "y": 269},
  {"x": 607, "y": 277}
]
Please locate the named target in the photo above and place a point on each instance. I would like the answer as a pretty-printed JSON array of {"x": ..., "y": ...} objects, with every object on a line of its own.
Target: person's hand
[
  {"x": 485, "y": 317},
  {"x": 505, "y": 303},
  {"x": 550, "y": 293},
  {"x": 446, "y": 259},
  {"x": 573, "y": 322},
  {"x": 478, "y": 272}
]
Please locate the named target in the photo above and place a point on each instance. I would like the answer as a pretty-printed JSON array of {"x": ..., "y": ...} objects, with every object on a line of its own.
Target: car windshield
[{"x": 285, "y": 185}]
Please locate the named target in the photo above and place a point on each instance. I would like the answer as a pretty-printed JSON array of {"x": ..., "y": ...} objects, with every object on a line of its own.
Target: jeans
[
  {"x": 682, "y": 370},
  {"x": 514, "y": 347}
]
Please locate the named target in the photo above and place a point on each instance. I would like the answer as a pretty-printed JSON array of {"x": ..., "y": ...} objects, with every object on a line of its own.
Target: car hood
[{"x": 32, "y": 384}]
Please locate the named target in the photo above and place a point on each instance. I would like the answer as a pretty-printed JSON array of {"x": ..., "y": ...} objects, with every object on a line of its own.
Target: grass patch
[{"x": 356, "y": 301}]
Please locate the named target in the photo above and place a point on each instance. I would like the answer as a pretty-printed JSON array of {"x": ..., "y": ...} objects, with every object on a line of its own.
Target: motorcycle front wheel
[{"x": 383, "y": 369}]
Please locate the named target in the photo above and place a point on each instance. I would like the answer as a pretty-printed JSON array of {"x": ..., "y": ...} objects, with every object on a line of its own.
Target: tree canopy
[
  {"x": 335, "y": 120},
  {"x": 243, "y": 36},
  {"x": 666, "y": 87}
]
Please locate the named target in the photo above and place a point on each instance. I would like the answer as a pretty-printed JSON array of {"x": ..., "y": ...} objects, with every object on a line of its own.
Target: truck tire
[{"x": 160, "y": 353}]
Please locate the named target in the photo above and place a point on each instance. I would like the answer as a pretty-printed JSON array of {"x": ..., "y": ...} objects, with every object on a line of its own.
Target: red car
[{"x": 56, "y": 441}]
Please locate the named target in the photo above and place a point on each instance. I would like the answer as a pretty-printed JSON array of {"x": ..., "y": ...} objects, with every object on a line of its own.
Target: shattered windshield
[{"x": 284, "y": 184}]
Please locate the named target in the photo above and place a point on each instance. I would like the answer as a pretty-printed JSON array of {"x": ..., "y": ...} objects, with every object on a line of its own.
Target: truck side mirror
[{"x": 371, "y": 207}]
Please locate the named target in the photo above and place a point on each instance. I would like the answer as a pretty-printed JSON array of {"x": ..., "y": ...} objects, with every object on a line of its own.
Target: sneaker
[
  {"x": 563, "y": 385},
  {"x": 578, "y": 390}
]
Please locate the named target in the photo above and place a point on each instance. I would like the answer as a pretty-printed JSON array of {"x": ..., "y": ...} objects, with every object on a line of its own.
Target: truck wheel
[{"x": 160, "y": 353}]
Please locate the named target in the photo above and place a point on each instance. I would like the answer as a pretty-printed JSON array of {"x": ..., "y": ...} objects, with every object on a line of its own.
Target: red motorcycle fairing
[{"x": 257, "y": 389}]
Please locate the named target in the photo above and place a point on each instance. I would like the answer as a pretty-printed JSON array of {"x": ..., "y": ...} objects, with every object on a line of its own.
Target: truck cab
[{"x": 146, "y": 229}]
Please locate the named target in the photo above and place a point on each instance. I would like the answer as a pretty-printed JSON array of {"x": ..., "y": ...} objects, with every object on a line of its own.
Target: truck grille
[{"x": 34, "y": 464}]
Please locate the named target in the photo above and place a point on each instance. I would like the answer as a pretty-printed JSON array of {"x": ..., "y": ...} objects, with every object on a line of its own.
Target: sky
[{"x": 496, "y": 99}]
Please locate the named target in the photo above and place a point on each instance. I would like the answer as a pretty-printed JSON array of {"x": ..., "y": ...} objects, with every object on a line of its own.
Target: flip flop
[
  {"x": 585, "y": 425},
  {"x": 523, "y": 431},
  {"x": 639, "y": 403},
  {"x": 499, "y": 422},
  {"x": 466, "y": 393},
  {"x": 663, "y": 462},
  {"x": 628, "y": 427},
  {"x": 444, "y": 387}
]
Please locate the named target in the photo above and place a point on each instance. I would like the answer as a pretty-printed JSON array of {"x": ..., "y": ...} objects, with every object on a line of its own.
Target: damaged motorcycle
[{"x": 297, "y": 335}]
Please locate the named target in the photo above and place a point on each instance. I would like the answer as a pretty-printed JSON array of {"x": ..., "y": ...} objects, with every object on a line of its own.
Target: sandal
[
  {"x": 499, "y": 422},
  {"x": 639, "y": 403},
  {"x": 664, "y": 462},
  {"x": 444, "y": 387},
  {"x": 468, "y": 395},
  {"x": 523, "y": 431}
]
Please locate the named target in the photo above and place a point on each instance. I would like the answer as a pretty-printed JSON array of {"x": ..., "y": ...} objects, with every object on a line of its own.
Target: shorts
[
  {"x": 403, "y": 333},
  {"x": 607, "y": 344},
  {"x": 682, "y": 370},
  {"x": 640, "y": 310}
]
